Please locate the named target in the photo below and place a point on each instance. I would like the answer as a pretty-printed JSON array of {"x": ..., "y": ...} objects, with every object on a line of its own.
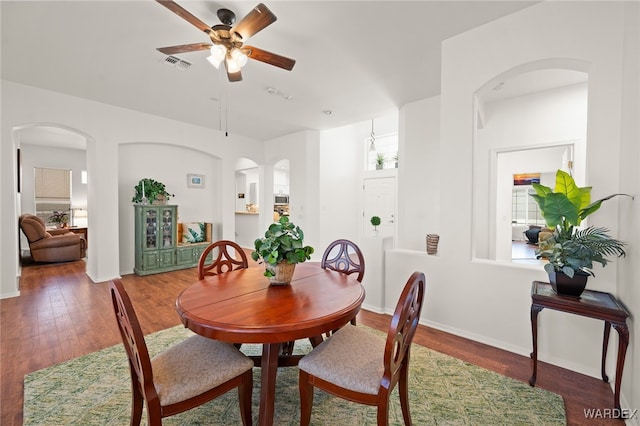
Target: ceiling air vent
[{"x": 177, "y": 63}]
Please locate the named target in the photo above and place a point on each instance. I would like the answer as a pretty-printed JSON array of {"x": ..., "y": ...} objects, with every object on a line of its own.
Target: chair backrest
[
  {"x": 223, "y": 261},
  {"x": 33, "y": 227},
  {"x": 403, "y": 327},
  {"x": 344, "y": 256},
  {"x": 134, "y": 343}
]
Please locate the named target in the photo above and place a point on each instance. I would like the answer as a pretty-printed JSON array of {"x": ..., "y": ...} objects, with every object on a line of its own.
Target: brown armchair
[{"x": 56, "y": 245}]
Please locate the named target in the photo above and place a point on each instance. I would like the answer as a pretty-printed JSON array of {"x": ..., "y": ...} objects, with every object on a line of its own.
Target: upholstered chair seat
[
  {"x": 188, "y": 368},
  {"x": 354, "y": 360}
]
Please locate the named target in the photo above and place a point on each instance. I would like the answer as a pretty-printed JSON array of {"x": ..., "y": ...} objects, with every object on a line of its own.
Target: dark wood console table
[{"x": 592, "y": 304}]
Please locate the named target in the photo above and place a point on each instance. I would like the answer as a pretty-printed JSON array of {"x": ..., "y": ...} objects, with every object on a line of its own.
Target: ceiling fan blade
[
  {"x": 183, "y": 48},
  {"x": 269, "y": 58},
  {"x": 256, "y": 20},
  {"x": 181, "y": 12}
]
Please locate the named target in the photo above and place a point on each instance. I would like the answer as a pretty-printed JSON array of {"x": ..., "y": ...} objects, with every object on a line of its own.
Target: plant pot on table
[
  {"x": 564, "y": 285},
  {"x": 282, "y": 273}
]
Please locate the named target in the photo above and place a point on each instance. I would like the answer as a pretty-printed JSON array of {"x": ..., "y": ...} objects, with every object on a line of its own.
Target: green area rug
[{"x": 95, "y": 390}]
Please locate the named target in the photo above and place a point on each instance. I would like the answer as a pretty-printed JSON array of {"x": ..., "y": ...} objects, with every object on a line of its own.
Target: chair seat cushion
[
  {"x": 194, "y": 366},
  {"x": 351, "y": 358}
]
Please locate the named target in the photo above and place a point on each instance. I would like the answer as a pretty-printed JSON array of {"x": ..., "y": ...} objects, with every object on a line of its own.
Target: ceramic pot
[
  {"x": 565, "y": 286},
  {"x": 283, "y": 273}
]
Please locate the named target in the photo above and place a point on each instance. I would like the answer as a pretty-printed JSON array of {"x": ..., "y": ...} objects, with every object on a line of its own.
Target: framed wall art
[{"x": 195, "y": 181}]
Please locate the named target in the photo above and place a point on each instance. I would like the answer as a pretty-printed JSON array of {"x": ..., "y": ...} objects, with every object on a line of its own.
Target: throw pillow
[{"x": 193, "y": 232}]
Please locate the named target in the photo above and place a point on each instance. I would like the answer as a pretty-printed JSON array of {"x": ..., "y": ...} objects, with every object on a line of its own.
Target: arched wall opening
[
  {"x": 173, "y": 165},
  {"x": 52, "y": 146},
  {"x": 531, "y": 119}
]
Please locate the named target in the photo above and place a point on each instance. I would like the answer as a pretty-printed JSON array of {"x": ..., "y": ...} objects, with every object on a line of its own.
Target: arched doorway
[{"x": 52, "y": 147}]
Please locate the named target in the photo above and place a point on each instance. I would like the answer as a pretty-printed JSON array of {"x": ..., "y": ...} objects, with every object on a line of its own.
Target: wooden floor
[{"x": 61, "y": 314}]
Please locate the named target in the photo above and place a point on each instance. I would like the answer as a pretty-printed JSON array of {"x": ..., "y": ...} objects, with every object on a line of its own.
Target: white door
[{"x": 380, "y": 200}]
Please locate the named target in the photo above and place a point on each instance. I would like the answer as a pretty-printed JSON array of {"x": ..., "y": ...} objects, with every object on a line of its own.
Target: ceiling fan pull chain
[{"x": 226, "y": 115}]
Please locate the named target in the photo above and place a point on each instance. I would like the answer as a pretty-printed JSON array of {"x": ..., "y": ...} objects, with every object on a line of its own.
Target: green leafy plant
[
  {"x": 195, "y": 237},
  {"x": 59, "y": 218},
  {"x": 380, "y": 160},
  {"x": 283, "y": 241},
  {"x": 375, "y": 221},
  {"x": 569, "y": 249},
  {"x": 152, "y": 189}
]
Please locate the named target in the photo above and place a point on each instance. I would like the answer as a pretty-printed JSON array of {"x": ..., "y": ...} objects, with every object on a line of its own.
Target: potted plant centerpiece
[
  {"x": 570, "y": 250},
  {"x": 280, "y": 249},
  {"x": 150, "y": 191},
  {"x": 61, "y": 219},
  {"x": 380, "y": 161}
]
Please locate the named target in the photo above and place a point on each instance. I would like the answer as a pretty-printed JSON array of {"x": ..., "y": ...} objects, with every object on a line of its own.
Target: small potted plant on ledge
[
  {"x": 150, "y": 191},
  {"x": 375, "y": 221},
  {"x": 280, "y": 250},
  {"x": 380, "y": 162},
  {"x": 61, "y": 219},
  {"x": 569, "y": 250}
]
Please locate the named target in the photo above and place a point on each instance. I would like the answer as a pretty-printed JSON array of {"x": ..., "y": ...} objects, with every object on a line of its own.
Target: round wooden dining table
[{"x": 242, "y": 307}]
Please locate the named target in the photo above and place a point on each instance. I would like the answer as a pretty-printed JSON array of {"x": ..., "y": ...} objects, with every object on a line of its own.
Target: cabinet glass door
[
  {"x": 151, "y": 229},
  {"x": 167, "y": 228}
]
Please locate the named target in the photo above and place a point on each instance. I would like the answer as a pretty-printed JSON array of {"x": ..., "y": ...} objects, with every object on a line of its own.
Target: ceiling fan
[{"x": 228, "y": 42}]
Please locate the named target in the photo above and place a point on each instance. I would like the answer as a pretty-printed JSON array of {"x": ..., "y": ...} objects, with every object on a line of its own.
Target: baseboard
[
  {"x": 10, "y": 295},
  {"x": 519, "y": 350},
  {"x": 371, "y": 308}
]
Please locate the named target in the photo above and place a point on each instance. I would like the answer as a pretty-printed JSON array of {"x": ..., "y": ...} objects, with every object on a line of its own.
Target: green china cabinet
[
  {"x": 155, "y": 239},
  {"x": 158, "y": 248}
]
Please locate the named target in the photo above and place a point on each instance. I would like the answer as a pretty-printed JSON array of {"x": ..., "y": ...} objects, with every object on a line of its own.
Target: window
[
  {"x": 386, "y": 146},
  {"x": 53, "y": 192},
  {"x": 524, "y": 209}
]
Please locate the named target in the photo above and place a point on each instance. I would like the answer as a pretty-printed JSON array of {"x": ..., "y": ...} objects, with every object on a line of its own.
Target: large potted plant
[
  {"x": 151, "y": 191},
  {"x": 280, "y": 250},
  {"x": 570, "y": 250}
]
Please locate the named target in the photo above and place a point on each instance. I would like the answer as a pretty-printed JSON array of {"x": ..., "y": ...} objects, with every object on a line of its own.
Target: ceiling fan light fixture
[
  {"x": 215, "y": 62},
  {"x": 232, "y": 65},
  {"x": 240, "y": 57},
  {"x": 218, "y": 52}
]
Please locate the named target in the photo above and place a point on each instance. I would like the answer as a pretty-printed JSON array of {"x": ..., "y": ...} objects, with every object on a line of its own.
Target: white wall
[
  {"x": 170, "y": 165},
  {"x": 490, "y": 301},
  {"x": 340, "y": 190},
  {"x": 56, "y": 158},
  {"x": 627, "y": 287},
  {"x": 419, "y": 179},
  {"x": 106, "y": 127}
]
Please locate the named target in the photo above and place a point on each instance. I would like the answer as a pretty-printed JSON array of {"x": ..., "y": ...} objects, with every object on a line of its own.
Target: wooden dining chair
[
  {"x": 224, "y": 261},
  {"x": 345, "y": 257},
  {"x": 185, "y": 376},
  {"x": 362, "y": 367}
]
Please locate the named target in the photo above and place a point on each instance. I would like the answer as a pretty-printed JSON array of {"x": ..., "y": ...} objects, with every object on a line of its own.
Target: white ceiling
[{"x": 359, "y": 59}]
